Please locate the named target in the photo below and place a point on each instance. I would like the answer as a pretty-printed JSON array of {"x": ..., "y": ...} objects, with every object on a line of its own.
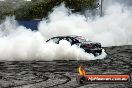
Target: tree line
[{"x": 39, "y": 9}]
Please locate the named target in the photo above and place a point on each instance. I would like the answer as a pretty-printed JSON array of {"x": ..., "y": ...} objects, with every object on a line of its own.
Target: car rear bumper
[{"x": 94, "y": 51}]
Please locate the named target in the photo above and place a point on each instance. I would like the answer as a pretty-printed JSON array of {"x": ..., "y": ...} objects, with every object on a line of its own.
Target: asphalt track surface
[{"x": 62, "y": 74}]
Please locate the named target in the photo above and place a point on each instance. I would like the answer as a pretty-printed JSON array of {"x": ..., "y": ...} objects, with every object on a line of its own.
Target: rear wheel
[{"x": 97, "y": 54}]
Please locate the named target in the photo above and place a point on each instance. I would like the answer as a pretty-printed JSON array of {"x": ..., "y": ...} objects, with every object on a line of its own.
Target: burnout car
[{"x": 88, "y": 46}]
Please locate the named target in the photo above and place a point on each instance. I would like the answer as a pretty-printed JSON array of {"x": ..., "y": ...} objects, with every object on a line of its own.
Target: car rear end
[{"x": 94, "y": 48}]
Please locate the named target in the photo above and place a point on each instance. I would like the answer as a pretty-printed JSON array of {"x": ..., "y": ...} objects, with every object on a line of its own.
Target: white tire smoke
[
  {"x": 113, "y": 29},
  {"x": 20, "y": 43}
]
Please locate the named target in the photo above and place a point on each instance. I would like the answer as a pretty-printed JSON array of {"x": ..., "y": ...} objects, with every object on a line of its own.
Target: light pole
[{"x": 101, "y": 7}]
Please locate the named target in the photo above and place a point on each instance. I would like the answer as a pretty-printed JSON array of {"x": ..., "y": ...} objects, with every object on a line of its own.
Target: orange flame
[{"x": 81, "y": 71}]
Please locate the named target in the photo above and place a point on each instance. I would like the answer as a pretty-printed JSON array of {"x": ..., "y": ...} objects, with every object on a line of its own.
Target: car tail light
[{"x": 88, "y": 46}]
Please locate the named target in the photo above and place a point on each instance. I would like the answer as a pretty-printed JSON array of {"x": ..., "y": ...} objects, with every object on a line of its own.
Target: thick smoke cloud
[
  {"x": 113, "y": 29},
  {"x": 19, "y": 43}
]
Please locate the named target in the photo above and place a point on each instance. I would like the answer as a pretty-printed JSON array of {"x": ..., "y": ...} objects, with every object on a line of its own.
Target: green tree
[{"x": 41, "y": 8}]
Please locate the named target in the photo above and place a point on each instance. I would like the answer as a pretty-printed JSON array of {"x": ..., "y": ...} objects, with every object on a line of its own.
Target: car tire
[{"x": 96, "y": 54}]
